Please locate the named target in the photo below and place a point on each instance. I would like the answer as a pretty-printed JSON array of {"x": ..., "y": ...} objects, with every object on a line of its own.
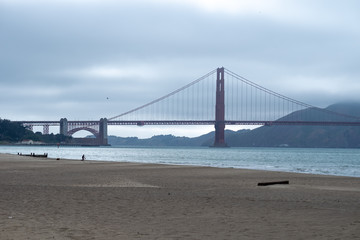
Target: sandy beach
[{"x": 71, "y": 199}]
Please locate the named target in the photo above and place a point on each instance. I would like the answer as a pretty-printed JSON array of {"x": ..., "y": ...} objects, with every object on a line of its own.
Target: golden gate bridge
[{"x": 220, "y": 97}]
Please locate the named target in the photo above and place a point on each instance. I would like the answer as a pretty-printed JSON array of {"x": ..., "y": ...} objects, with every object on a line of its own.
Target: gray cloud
[{"x": 64, "y": 59}]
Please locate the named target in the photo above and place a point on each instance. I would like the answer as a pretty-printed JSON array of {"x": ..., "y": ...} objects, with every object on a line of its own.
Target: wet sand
[{"x": 71, "y": 199}]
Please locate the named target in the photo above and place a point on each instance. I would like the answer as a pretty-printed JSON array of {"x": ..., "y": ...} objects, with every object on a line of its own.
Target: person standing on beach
[{"x": 83, "y": 157}]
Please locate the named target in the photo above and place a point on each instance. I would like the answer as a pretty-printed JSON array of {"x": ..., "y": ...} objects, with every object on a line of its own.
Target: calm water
[{"x": 342, "y": 162}]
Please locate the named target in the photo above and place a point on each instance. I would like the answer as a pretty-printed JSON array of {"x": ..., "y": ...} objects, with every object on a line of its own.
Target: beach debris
[
  {"x": 45, "y": 155},
  {"x": 272, "y": 183}
]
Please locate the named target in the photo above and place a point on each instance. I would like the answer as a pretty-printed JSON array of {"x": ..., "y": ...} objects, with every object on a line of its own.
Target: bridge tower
[
  {"x": 103, "y": 137},
  {"x": 220, "y": 109},
  {"x": 64, "y": 126}
]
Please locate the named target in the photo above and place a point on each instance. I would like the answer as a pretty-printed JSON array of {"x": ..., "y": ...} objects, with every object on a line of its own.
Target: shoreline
[
  {"x": 71, "y": 199},
  {"x": 194, "y": 165}
]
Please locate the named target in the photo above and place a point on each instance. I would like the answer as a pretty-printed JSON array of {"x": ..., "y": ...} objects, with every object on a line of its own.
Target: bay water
[{"x": 329, "y": 161}]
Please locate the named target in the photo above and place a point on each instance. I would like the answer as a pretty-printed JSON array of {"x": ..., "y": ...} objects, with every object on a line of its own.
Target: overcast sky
[{"x": 88, "y": 59}]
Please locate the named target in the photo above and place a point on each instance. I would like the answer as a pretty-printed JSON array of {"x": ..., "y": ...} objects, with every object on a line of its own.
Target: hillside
[
  {"x": 169, "y": 140},
  {"x": 305, "y": 136}
]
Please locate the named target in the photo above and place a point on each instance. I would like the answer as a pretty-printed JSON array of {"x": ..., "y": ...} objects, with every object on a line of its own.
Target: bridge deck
[
  {"x": 212, "y": 122},
  {"x": 207, "y": 122}
]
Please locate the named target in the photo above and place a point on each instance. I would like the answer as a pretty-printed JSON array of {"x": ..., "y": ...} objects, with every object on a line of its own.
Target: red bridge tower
[{"x": 220, "y": 109}]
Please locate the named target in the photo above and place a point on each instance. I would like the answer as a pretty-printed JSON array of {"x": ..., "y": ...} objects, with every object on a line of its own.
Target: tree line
[{"x": 12, "y": 132}]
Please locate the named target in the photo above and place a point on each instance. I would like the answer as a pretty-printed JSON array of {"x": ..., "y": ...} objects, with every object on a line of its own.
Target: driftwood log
[{"x": 272, "y": 183}]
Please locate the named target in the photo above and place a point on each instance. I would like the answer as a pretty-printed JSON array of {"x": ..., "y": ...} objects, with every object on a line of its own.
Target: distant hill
[
  {"x": 168, "y": 140},
  {"x": 305, "y": 136},
  {"x": 272, "y": 136}
]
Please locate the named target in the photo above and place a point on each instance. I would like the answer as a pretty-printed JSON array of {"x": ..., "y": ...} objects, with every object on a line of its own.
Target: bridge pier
[
  {"x": 220, "y": 110},
  {"x": 99, "y": 129}
]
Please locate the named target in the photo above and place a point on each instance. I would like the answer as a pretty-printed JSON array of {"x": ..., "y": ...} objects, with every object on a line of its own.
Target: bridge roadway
[
  {"x": 203, "y": 122},
  {"x": 212, "y": 122}
]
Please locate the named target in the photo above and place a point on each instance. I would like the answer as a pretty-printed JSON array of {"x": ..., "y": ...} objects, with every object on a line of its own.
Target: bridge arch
[{"x": 91, "y": 130}]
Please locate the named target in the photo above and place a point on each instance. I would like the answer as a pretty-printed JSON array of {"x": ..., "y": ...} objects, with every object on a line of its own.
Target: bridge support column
[
  {"x": 103, "y": 137},
  {"x": 64, "y": 126},
  {"x": 220, "y": 110},
  {"x": 46, "y": 129}
]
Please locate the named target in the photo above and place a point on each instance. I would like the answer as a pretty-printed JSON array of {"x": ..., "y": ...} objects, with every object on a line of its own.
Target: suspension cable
[{"x": 168, "y": 95}]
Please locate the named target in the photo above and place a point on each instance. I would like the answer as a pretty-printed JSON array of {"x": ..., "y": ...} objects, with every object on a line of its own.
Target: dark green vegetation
[
  {"x": 273, "y": 136},
  {"x": 11, "y": 132}
]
